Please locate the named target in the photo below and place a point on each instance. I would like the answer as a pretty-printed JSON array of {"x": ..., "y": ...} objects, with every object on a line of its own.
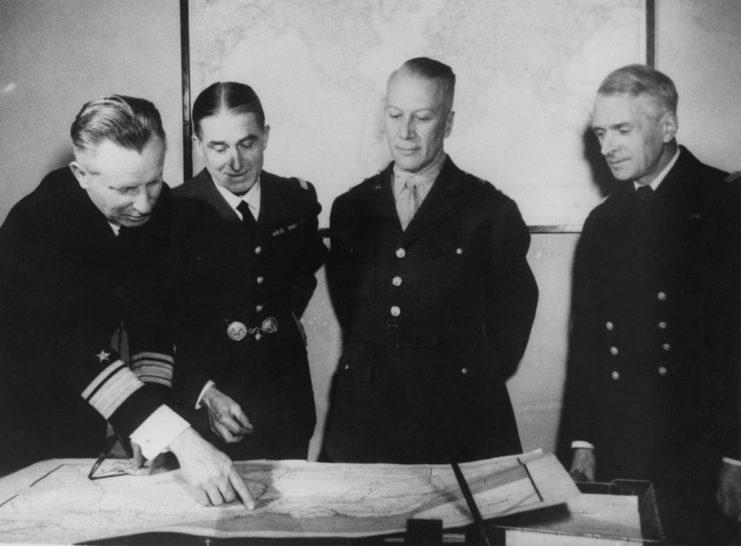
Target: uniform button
[
  {"x": 347, "y": 366},
  {"x": 662, "y": 325},
  {"x": 396, "y": 281},
  {"x": 614, "y": 351},
  {"x": 259, "y": 308},
  {"x": 662, "y": 370},
  {"x": 459, "y": 251},
  {"x": 260, "y": 279},
  {"x": 666, "y": 347},
  {"x": 258, "y": 336},
  {"x": 615, "y": 375},
  {"x": 400, "y": 252},
  {"x": 464, "y": 371},
  {"x": 258, "y": 249},
  {"x": 395, "y": 311},
  {"x": 661, "y": 296},
  {"x": 610, "y": 326}
]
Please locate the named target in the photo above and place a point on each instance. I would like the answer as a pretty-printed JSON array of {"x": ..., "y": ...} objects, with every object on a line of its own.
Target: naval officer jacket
[
  {"x": 654, "y": 343},
  {"x": 239, "y": 293},
  {"x": 443, "y": 308},
  {"x": 67, "y": 284}
]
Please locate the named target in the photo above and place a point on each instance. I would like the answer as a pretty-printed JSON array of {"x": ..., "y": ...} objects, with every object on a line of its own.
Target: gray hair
[
  {"x": 431, "y": 69},
  {"x": 128, "y": 122},
  {"x": 639, "y": 79}
]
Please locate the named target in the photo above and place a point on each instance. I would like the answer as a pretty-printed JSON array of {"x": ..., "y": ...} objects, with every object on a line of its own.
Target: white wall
[{"x": 55, "y": 55}]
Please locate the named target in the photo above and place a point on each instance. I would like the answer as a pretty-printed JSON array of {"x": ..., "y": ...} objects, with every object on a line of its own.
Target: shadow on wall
[{"x": 601, "y": 175}]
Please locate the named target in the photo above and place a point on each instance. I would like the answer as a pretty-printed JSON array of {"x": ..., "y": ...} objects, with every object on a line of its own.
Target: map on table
[{"x": 54, "y": 500}]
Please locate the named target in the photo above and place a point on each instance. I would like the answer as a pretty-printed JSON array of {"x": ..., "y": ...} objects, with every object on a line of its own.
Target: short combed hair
[
  {"x": 433, "y": 70},
  {"x": 230, "y": 96},
  {"x": 640, "y": 79},
  {"x": 128, "y": 122}
]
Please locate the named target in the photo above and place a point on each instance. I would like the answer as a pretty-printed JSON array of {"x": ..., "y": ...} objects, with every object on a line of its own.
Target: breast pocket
[{"x": 441, "y": 276}]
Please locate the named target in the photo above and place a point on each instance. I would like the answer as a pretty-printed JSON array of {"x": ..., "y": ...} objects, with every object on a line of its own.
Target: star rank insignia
[{"x": 103, "y": 356}]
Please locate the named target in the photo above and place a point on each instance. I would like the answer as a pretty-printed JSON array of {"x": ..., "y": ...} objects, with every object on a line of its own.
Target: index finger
[
  {"x": 240, "y": 416},
  {"x": 241, "y": 489}
]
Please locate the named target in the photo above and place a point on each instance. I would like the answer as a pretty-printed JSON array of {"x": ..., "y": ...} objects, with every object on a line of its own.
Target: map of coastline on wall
[{"x": 527, "y": 71}]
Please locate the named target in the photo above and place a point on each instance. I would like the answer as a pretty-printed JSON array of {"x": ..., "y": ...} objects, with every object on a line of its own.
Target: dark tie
[
  {"x": 247, "y": 219},
  {"x": 644, "y": 193}
]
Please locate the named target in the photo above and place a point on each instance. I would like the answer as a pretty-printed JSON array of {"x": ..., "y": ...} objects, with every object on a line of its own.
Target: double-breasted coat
[
  {"x": 435, "y": 319},
  {"x": 655, "y": 333},
  {"x": 238, "y": 294},
  {"x": 67, "y": 284}
]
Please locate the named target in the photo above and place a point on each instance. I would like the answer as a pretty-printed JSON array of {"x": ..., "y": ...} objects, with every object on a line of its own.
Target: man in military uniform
[
  {"x": 654, "y": 346},
  {"x": 78, "y": 259},
  {"x": 435, "y": 304},
  {"x": 242, "y": 283}
]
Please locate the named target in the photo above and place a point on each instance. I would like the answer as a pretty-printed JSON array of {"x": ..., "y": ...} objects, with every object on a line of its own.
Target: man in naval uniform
[
  {"x": 654, "y": 342},
  {"x": 78, "y": 260},
  {"x": 430, "y": 284},
  {"x": 242, "y": 283}
]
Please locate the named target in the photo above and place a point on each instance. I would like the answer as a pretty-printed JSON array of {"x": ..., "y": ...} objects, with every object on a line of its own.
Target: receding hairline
[{"x": 444, "y": 90}]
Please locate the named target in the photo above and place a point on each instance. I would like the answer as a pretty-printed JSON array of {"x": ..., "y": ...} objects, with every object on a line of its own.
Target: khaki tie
[{"x": 409, "y": 202}]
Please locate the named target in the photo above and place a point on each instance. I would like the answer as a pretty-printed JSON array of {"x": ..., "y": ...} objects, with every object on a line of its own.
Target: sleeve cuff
[
  {"x": 158, "y": 431},
  {"x": 207, "y": 386},
  {"x": 151, "y": 367},
  {"x": 111, "y": 387},
  {"x": 580, "y": 444},
  {"x": 734, "y": 462}
]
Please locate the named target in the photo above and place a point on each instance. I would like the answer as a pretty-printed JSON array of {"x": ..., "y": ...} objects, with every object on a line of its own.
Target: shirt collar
[
  {"x": 422, "y": 179},
  {"x": 660, "y": 178},
  {"x": 252, "y": 198}
]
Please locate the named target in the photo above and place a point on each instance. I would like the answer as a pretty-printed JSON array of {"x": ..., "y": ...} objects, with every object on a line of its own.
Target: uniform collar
[{"x": 252, "y": 198}]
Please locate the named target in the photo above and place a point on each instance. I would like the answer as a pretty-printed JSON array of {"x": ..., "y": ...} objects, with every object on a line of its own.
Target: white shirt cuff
[
  {"x": 734, "y": 462},
  {"x": 207, "y": 386},
  {"x": 158, "y": 431},
  {"x": 581, "y": 444}
]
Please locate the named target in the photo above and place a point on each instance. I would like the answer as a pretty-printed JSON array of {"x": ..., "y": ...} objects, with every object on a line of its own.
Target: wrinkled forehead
[
  {"x": 616, "y": 108},
  {"x": 406, "y": 88}
]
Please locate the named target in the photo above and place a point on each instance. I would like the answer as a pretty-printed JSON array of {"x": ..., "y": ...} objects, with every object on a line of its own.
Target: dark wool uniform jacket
[
  {"x": 67, "y": 283},
  {"x": 227, "y": 274},
  {"x": 654, "y": 343},
  {"x": 434, "y": 318}
]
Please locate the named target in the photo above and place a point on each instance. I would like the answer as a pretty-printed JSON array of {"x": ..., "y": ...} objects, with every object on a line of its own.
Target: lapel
[
  {"x": 272, "y": 207},
  {"x": 446, "y": 197},
  {"x": 204, "y": 187},
  {"x": 381, "y": 203}
]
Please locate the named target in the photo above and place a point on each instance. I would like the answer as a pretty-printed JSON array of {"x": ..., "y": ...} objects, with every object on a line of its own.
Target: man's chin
[{"x": 133, "y": 222}]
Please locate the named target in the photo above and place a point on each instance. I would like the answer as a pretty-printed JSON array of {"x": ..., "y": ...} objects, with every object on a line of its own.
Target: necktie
[
  {"x": 409, "y": 203},
  {"x": 247, "y": 219},
  {"x": 644, "y": 193}
]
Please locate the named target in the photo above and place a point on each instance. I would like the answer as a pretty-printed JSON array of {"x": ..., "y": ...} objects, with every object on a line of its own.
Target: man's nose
[
  {"x": 406, "y": 128},
  {"x": 235, "y": 160},
  {"x": 143, "y": 202},
  {"x": 607, "y": 144}
]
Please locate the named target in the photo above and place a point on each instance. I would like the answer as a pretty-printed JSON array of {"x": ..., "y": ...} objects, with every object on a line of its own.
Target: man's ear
[
  {"x": 265, "y": 136},
  {"x": 80, "y": 174},
  {"x": 449, "y": 123},
  {"x": 669, "y": 126}
]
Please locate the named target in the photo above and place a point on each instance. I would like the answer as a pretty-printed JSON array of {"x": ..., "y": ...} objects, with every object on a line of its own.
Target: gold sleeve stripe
[
  {"x": 111, "y": 388},
  {"x": 153, "y": 367},
  {"x": 149, "y": 355}
]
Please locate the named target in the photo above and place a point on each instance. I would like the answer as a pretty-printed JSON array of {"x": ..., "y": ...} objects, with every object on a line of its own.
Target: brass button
[
  {"x": 464, "y": 371},
  {"x": 661, "y": 296},
  {"x": 258, "y": 249},
  {"x": 259, "y": 308},
  {"x": 666, "y": 347},
  {"x": 615, "y": 375},
  {"x": 662, "y": 325},
  {"x": 396, "y": 281},
  {"x": 395, "y": 311},
  {"x": 610, "y": 326},
  {"x": 459, "y": 251},
  {"x": 662, "y": 370},
  {"x": 260, "y": 280},
  {"x": 614, "y": 351},
  {"x": 400, "y": 252}
]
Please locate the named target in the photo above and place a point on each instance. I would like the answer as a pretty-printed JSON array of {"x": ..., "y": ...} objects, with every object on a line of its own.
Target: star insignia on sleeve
[{"x": 103, "y": 356}]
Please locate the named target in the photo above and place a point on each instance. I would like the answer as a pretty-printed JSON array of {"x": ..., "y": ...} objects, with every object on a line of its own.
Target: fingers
[
  {"x": 137, "y": 459},
  {"x": 241, "y": 489},
  {"x": 242, "y": 420}
]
